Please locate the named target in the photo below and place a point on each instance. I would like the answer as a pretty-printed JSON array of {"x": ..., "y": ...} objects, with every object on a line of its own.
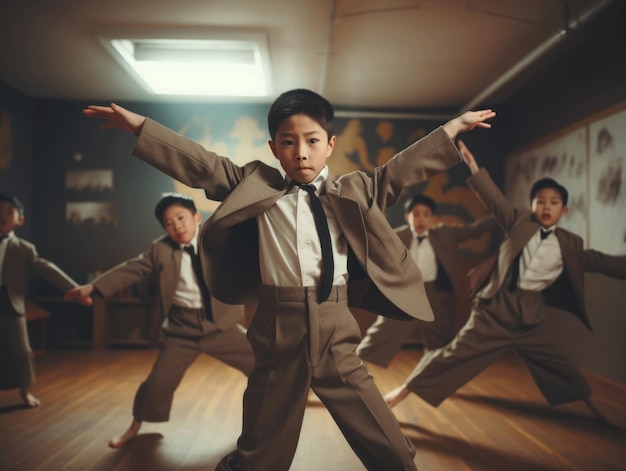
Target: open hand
[
  {"x": 117, "y": 117},
  {"x": 468, "y": 121}
]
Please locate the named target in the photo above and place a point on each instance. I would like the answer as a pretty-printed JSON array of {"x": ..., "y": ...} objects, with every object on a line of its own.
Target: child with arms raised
[{"x": 305, "y": 257}]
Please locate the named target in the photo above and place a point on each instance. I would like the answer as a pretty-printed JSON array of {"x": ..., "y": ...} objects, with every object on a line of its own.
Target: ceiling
[{"x": 360, "y": 54}]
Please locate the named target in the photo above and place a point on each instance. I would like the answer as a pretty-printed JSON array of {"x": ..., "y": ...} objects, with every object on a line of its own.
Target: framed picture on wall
[
  {"x": 91, "y": 213},
  {"x": 88, "y": 181}
]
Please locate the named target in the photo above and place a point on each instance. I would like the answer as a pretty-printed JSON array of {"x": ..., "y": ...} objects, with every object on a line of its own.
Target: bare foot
[
  {"x": 128, "y": 435},
  {"x": 394, "y": 397},
  {"x": 30, "y": 400},
  {"x": 603, "y": 414}
]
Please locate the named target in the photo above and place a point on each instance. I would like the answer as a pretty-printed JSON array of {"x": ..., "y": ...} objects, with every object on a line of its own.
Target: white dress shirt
[
  {"x": 541, "y": 262},
  {"x": 290, "y": 253},
  {"x": 424, "y": 255},
  {"x": 187, "y": 292}
]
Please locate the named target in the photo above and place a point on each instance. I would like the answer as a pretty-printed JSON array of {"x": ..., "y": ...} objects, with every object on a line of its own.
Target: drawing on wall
[
  {"x": 89, "y": 181},
  {"x": 607, "y": 189},
  {"x": 384, "y": 131},
  {"x": 350, "y": 152},
  {"x": 363, "y": 145},
  {"x": 91, "y": 213},
  {"x": 565, "y": 160}
]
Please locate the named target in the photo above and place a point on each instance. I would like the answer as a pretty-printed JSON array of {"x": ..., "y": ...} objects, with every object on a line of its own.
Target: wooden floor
[{"x": 497, "y": 422}]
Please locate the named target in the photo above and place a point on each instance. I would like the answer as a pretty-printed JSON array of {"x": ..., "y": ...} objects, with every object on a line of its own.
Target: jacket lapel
[
  {"x": 249, "y": 200},
  {"x": 350, "y": 220}
]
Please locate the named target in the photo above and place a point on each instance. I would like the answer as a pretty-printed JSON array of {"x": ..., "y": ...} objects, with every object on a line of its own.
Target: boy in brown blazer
[
  {"x": 192, "y": 322},
  {"x": 434, "y": 247},
  {"x": 19, "y": 264},
  {"x": 538, "y": 264},
  {"x": 305, "y": 258}
]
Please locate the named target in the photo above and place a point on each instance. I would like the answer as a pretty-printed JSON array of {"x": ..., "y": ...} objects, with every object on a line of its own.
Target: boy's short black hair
[
  {"x": 419, "y": 198},
  {"x": 548, "y": 183},
  {"x": 14, "y": 201},
  {"x": 169, "y": 199},
  {"x": 301, "y": 101}
]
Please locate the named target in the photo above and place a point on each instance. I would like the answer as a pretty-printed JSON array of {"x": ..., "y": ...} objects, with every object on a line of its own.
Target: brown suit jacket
[
  {"x": 21, "y": 264},
  {"x": 383, "y": 277},
  {"x": 567, "y": 292},
  {"x": 162, "y": 262}
]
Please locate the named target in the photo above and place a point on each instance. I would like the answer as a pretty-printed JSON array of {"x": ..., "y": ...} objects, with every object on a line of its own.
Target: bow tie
[
  {"x": 420, "y": 238},
  {"x": 544, "y": 233}
]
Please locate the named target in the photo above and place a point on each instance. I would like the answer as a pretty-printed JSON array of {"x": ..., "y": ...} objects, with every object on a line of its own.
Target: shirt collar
[
  {"x": 415, "y": 234},
  {"x": 8, "y": 236},
  {"x": 317, "y": 182}
]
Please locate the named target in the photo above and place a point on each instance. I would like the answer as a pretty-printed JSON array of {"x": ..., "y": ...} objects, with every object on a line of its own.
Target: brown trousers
[
  {"x": 300, "y": 344},
  {"x": 386, "y": 336},
  {"x": 187, "y": 334},
  {"x": 16, "y": 356},
  {"x": 508, "y": 321}
]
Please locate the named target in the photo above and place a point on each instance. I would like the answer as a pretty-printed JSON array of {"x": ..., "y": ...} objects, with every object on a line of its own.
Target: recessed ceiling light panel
[{"x": 224, "y": 65}]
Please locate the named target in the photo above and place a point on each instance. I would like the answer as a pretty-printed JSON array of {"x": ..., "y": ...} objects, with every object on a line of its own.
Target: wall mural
[{"x": 248, "y": 142}]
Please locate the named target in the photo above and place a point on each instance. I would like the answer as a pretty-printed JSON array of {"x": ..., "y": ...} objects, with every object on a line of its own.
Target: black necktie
[
  {"x": 544, "y": 233},
  {"x": 321, "y": 224},
  {"x": 515, "y": 272},
  {"x": 197, "y": 269},
  {"x": 420, "y": 238}
]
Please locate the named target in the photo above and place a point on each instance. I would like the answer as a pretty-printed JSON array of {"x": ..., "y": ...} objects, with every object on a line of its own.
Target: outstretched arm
[
  {"x": 117, "y": 117},
  {"x": 468, "y": 121},
  {"x": 468, "y": 158}
]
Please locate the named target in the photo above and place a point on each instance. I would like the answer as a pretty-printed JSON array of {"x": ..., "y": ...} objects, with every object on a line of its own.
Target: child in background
[
  {"x": 19, "y": 265},
  {"x": 192, "y": 322},
  {"x": 434, "y": 247},
  {"x": 538, "y": 264}
]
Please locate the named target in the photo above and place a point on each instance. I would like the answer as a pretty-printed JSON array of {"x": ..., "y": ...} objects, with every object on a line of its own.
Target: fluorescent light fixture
[{"x": 196, "y": 64}]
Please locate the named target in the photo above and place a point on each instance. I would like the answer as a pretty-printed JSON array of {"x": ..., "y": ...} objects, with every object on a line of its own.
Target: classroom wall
[
  {"x": 69, "y": 142},
  {"x": 52, "y": 138}
]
